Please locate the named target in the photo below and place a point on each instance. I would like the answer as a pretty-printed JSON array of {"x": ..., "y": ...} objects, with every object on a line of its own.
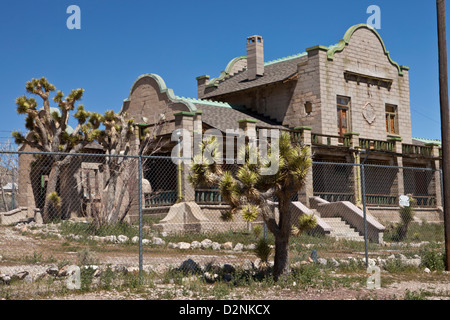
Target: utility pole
[{"x": 445, "y": 123}]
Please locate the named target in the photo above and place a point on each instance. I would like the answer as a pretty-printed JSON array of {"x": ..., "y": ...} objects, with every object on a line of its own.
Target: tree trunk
[
  {"x": 281, "y": 261},
  {"x": 5, "y": 205},
  {"x": 50, "y": 211},
  {"x": 111, "y": 198}
]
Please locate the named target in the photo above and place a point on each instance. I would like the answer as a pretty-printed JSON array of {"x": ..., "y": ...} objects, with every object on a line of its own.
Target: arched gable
[
  {"x": 345, "y": 42},
  {"x": 149, "y": 99}
]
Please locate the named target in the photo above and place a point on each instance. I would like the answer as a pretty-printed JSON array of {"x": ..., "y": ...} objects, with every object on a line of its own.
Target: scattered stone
[
  {"x": 336, "y": 263},
  {"x": 122, "y": 239},
  {"x": 247, "y": 265},
  {"x": 426, "y": 270},
  {"x": 196, "y": 245},
  {"x": 5, "y": 279},
  {"x": 228, "y": 268},
  {"x": 402, "y": 257},
  {"x": 227, "y": 246},
  {"x": 189, "y": 265},
  {"x": 251, "y": 246},
  {"x": 172, "y": 245},
  {"x": 226, "y": 277},
  {"x": 53, "y": 271},
  {"x": 20, "y": 275},
  {"x": 413, "y": 262},
  {"x": 238, "y": 247},
  {"x": 184, "y": 245},
  {"x": 146, "y": 241},
  {"x": 97, "y": 273},
  {"x": 215, "y": 246},
  {"x": 210, "y": 278},
  {"x": 257, "y": 263},
  {"x": 206, "y": 244},
  {"x": 158, "y": 241},
  {"x": 112, "y": 239},
  {"x": 322, "y": 261},
  {"x": 135, "y": 239},
  {"x": 63, "y": 272}
]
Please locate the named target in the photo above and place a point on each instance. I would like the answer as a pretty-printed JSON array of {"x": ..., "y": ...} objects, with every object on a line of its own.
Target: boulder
[
  {"x": 206, "y": 244},
  {"x": 196, "y": 245},
  {"x": 184, "y": 245},
  {"x": 227, "y": 246},
  {"x": 122, "y": 239},
  {"x": 190, "y": 266},
  {"x": 158, "y": 241}
]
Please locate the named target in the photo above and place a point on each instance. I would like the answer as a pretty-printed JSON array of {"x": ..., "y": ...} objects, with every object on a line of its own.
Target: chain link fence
[{"x": 142, "y": 214}]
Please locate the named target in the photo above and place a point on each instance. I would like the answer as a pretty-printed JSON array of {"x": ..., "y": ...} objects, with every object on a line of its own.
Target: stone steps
[{"x": 342, "y": 230}]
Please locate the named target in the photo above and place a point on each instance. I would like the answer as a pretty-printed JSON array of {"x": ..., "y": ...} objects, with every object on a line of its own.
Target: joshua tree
[
  {"x": 48, "y": 131},
  {"x": 118, "y": 139},
  {"x": 406, "y": 217},
  {"x": 252, "y": 193}
]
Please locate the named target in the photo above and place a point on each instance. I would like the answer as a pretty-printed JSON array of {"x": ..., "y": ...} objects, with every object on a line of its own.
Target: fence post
[
  {"x": 140, "y": 215},
  {"x": 363, "y": 196}
]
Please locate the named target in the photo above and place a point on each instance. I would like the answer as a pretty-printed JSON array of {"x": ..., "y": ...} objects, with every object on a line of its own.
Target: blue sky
[{"x": 180, "y": 40}]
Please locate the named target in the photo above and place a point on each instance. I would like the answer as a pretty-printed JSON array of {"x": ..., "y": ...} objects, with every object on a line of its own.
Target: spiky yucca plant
[
  {"x": 305, "y": 223},
  {"x": 252, "y": 194}
]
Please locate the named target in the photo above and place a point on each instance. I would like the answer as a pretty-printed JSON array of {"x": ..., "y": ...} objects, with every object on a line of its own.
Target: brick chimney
[{"x": 255, "y": 57}]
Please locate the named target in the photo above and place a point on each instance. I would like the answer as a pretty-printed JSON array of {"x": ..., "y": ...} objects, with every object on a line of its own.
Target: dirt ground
[{"x": 16, "y": 245}]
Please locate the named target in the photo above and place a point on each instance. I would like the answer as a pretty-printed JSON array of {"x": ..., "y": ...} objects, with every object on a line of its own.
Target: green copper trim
[
  {"x": 226, "y": 72},
  {"x": 303, "y": 128},
  {"x": 345, "y": 41},
  {"x": 202, "y": 77},
  {"x": 295, "y": 56}
]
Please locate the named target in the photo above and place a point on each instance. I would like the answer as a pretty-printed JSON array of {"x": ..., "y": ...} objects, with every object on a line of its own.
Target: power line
[{"x": 424, "y": 115}]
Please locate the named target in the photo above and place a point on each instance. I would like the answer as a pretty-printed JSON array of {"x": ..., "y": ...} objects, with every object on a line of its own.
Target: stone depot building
[{"x": 350, "y": 102}]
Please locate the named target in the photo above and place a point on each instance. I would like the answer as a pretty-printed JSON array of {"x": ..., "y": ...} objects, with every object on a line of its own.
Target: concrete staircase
[{"x": 342, "y": 230}]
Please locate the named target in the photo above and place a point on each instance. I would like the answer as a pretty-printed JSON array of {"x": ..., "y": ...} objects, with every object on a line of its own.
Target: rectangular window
[
  {"x": 343, "y": 115},
  {"x": 391, "y": 119}
]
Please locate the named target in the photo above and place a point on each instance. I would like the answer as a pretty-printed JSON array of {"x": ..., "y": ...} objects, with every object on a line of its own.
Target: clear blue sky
[{"x": 180, "y": 40}]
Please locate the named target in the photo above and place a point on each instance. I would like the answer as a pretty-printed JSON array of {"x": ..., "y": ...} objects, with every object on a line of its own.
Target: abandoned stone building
[{"x": 349, "y": 102}]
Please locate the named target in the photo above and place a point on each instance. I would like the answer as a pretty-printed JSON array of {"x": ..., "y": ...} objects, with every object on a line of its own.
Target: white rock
[
  {"x": 135, "y": 239},
  {"x": 111, "y": 239},
  {"x": 251, "y": 246},
  {"x": 206, "y": 244},
  {"x": 227, "y": 246},
  {"x": 184, "y": 245},
  {"x": 146, "y": 241},
  {"x": 122, "y": 239},
  {"x": 238, "y": 247},
  {"x": 196, "y": 245},
  {"x": 426, "y": 270},
  {"x": 158, "y": 241},
  {"x": 215, "y": 246}
]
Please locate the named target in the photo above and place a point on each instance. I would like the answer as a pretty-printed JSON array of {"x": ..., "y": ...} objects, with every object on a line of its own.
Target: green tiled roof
[
  {"x": 295, "y": 56},
  {"x": 428, "y": 140}
]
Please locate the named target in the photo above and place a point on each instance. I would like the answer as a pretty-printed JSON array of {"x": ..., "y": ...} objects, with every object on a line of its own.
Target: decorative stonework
[{"x": 369, "y": 113}]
